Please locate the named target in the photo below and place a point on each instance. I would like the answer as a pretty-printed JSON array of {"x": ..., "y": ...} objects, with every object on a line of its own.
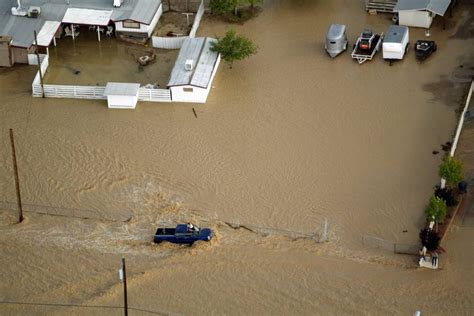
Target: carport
[{"x": 77, "y": 16}]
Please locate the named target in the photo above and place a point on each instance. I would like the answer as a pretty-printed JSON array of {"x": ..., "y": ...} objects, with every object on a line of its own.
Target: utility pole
[
  {"x": 123, "y": 278},
  {"x": 39, "y": 64},
  {"x": 17, "y": 182}
]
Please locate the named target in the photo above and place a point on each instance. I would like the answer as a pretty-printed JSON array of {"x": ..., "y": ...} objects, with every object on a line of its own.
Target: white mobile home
[
  {"x": 395, "y": 42},
  {"x": 131, "y": 19},
  {"x": 141, "y": 21},
  {"x": 194, "y": 70},
  {"x": 420, "y": 13}
]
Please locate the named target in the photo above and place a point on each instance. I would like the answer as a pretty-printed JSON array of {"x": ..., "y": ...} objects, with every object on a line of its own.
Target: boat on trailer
[{"x": 367, "y": 45}]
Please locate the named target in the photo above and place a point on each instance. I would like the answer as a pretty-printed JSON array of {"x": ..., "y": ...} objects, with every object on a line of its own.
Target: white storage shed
[
  {"x": 194, "y": 70},
  {"x": 121, "y": 95},
  {"x": 420, "y": 13}
]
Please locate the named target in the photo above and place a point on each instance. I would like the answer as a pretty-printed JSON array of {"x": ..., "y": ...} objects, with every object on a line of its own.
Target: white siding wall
[
  {"x": 415, "y": 18},
  {"x": 121, "y": 102},
  {"x": 199, "y": 95},
  {"x": 144, "y": 28}
]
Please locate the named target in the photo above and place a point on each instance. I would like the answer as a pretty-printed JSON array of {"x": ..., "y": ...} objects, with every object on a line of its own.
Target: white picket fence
[
  {"x": 177, "y": 42},
  {"x": 154, "y": 95}
]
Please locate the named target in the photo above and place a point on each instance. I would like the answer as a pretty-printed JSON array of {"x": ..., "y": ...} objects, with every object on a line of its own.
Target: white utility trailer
[
  {"x": 367, "y": 46},
  {"x": 396, "y": 42}
]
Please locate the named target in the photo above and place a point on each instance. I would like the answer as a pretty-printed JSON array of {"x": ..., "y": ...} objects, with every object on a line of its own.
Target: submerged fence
[
  {"x": 88, "y": 92},
  {"x": 379, "y": 243},
  {"x": 177, "y": 42},
  {"x": 459, "y": 127}
]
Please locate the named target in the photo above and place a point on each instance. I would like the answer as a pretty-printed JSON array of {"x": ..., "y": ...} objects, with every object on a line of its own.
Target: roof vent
[
  {"x": 189, "y": 64},
  {"x": 34, "y": 12}
]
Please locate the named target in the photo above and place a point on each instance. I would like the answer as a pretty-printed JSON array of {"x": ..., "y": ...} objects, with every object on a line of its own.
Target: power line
[{"x": 82, "y": 306}]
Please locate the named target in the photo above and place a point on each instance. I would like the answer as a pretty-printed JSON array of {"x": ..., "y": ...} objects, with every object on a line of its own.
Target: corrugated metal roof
[
  {"x": 198, "y": 50},
  {"x": 21, "y": 28},
  {"x": 45, "y": 36},
  {"x": 119, "y": 88},
  {"x": 87, "y": 16},
  {"x": 436, "y": 6}
]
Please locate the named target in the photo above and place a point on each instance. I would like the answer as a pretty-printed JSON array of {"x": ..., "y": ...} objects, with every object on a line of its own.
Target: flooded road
[{"x": 287, "y": 139}]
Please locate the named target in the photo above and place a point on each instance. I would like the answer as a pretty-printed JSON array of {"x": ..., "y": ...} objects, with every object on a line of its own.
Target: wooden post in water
[
  {"x": 17, "y": 183},
  {"x": 125, "y": 301},
  {"x": 39, "y": 64}
]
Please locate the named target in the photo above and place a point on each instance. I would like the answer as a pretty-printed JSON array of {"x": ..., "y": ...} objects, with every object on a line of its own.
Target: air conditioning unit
[
  {"x": 34, "y": 12},
  {"x": 118, "y": 3},
  {"x": 188, "y": 65}
]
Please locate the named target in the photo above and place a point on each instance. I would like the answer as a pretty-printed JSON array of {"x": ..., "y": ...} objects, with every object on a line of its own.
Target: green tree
[
  {"x": 233, "y": 47},
  {"x": 223, "y": 6},
  {"x": 253, "y": 2},
  {"x": 436, "y": 209},
  {"x": 451, "y": 171}
]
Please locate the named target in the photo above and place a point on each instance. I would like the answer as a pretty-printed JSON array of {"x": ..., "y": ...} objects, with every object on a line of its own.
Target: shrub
[
  {"x": 447, "y": 195},
  {"x": 436, "y": 209},
  {"x": 429, "y": 239},
  {"x": 451, "y": 171}
]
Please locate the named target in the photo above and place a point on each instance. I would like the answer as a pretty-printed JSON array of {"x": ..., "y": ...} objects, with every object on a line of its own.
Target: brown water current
[{"x": 287, "y": 139}]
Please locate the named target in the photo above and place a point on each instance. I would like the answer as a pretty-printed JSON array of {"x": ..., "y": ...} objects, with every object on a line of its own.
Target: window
[
  {"x": 188, "y": 89},
  {"x": 131, "y": 24}
]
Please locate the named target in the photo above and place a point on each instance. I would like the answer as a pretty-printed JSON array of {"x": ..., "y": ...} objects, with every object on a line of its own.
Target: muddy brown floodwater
[{"x": 287, "y": 139}]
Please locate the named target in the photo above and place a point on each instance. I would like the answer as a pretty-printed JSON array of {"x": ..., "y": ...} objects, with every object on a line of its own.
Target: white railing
[
  {"x": 154, "y": 95},
  {"x": 70, "y": 92},
  {"x": 44, "y": 60}
]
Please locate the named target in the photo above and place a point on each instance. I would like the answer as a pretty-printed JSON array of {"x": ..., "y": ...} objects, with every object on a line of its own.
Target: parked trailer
[
  {"x": 367, "y": 46},
  {"x": 336, "y": 40},
  {"x": 395, "y": 44}
]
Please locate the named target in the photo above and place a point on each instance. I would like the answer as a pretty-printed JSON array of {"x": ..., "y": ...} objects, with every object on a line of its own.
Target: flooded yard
[{"x": 86, "y": 61}]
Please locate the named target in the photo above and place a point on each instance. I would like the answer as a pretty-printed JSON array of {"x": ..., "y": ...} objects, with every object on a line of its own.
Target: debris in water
[
  {"x": 405, "y": 231},
  {"x": 435, "y": 152},
  {"x": 446, "y": 146},
  {"x": 76, "y": 72}
]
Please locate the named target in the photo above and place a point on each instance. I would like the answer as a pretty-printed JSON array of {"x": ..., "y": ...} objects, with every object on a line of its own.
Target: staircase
[{"x": 380, "y": 5}]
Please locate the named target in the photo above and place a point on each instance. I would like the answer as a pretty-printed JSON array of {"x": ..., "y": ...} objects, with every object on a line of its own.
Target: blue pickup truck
[{"x": 182, "y": 234}]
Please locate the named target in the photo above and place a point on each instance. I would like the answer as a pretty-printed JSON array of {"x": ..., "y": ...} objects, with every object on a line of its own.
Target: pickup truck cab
[{"x": 182, "y": 234}]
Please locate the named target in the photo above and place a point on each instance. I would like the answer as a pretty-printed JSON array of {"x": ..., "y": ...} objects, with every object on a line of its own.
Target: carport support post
[
  {"x": 98, "y": 33},
  {"x": 39, "y": 65},
  {"x": 72, "y": 29}
]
